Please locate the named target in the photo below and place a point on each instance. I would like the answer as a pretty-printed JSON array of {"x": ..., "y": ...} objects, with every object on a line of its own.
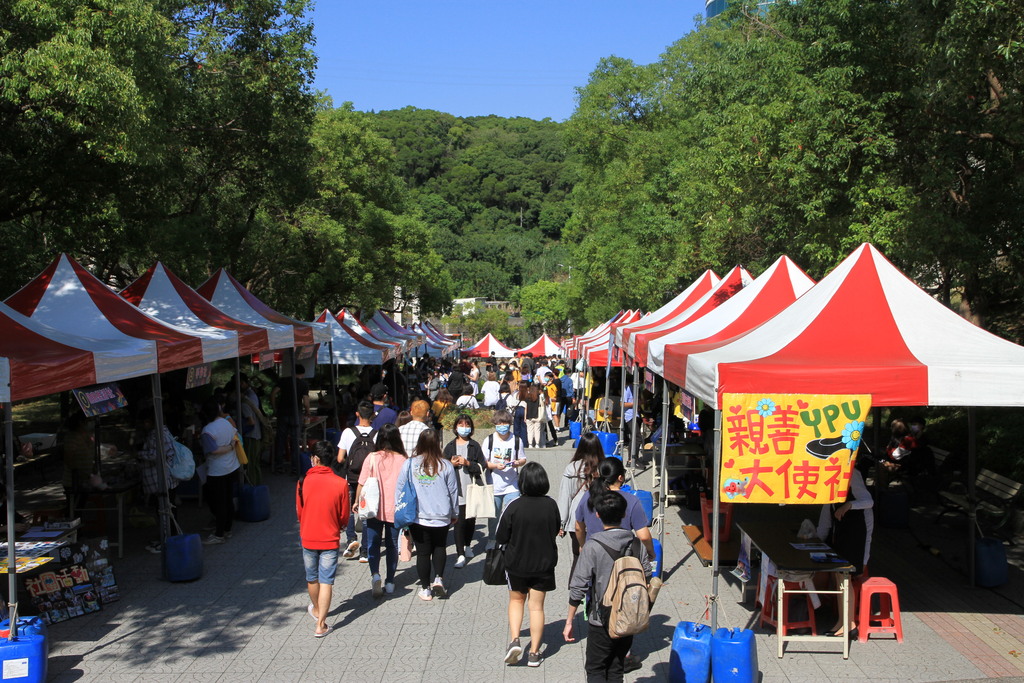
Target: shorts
[
  {"x": 523, "y": 584},
  {"x": 321, "y": 565}
]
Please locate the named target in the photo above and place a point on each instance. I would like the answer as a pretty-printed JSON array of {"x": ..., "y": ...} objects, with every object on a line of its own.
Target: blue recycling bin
[{"x": 608, "y": 441}]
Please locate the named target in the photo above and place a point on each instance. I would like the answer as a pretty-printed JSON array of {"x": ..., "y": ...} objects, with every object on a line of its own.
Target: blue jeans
[
  {"x": 500, "y": 503},
  {"x": 321, "y": 565},
  {"x": 375, "y": 530}
]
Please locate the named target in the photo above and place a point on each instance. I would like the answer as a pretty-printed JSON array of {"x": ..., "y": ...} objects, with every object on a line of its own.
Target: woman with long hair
[
  {"x": 468, "y": 458},
  {"x": 535, "y": 414},
  {"x": 437, "y": 508},
  {"x": 385, "y": 464},
  {"x": 576, "y": 480},
  {"x": 528, "y": 529}
]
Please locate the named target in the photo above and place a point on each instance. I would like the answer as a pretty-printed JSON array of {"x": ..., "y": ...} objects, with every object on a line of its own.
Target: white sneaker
[
  {"x": 425, "y": 594},
  {"x": 460, "y": 562},
  {"x": 213, "y": 539},
  {"x": 469, "y": 553},
  {"x": 438, "y": 588},
  {"x": 389, "y": 588},
  {"x": 377, "y": 590},
  {"x": 352, "y": 551}
]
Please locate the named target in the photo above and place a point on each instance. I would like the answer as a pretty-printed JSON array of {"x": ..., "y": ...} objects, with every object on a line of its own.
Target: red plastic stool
[
  {"x": 888, "y": 617},
  {"x": 768, "y": 601}
]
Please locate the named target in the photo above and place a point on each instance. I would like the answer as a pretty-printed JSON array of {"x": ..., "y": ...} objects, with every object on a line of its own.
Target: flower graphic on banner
[
  {"x": 852, "y": 433},
  {"x": 765, "y": 407}
]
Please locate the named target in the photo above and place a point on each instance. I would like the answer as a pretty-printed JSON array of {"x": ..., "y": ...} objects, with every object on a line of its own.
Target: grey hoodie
[
  {"x": 437, "y": 497},
  {"x": 595, "y": 567}
]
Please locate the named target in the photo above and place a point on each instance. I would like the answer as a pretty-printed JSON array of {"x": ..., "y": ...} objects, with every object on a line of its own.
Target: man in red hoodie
[{"x": 321, "y": 503}]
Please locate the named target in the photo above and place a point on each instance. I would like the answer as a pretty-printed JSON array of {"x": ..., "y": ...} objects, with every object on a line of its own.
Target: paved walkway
[{"x": 245, "y": 619}]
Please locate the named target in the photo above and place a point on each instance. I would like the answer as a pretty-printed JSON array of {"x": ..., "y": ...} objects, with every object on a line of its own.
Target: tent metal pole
[
  {"x": 238, "y": 396},
  {"x": 622, "y": 408},
  {"x": 295, "y": 407},
  {"x": 659, "y": 472},
  {"x": 715, "y": 521},
  {"x": 334, "y": 383},
  {"x": 12, "y": 559},
  {"x": 634, "y": 440},
  {"x": 161, "y": 458},
  {"x": 972, "y": 509}
]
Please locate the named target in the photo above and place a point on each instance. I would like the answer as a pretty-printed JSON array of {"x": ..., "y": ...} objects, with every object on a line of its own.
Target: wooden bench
[
  {"x": 727, "y": 553},
  {"x": 995, "y": 496}
]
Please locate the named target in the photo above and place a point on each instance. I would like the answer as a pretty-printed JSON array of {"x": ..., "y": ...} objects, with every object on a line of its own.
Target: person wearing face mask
[
  {"x": 504, "y": 454},
  {"x": 468, "y": 458}
]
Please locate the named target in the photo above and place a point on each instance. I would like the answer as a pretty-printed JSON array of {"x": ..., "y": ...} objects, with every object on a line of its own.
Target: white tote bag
[
  {"x": 369, "y": 499},
  {"x": 479, "y": 499}
]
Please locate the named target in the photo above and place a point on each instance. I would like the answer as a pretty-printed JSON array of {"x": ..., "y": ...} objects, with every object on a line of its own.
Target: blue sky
[{"x": 513, "y": 58}]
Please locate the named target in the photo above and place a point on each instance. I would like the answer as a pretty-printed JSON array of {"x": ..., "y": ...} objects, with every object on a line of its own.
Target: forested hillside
[{"x": 494, "y": 190}]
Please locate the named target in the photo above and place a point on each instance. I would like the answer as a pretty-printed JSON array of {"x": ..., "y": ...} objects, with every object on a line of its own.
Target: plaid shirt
[
  {"x": 410, "y": 433},
  {"x": 148, "y": 458}
]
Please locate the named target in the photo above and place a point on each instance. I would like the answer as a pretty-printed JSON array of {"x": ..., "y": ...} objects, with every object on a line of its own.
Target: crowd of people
[{"x": 395, "y": 476}]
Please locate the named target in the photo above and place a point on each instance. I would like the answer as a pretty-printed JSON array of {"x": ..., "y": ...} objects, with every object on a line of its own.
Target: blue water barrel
[
  {"x": 24, "y": 658},
  {"x": 690, "y": 661},
  {"x": 734, "y": 656},
  {"x": 647, "y": 503},
  {"x": 254, "y": 503},
  {"x": 608, "y": 441},
  {"x": 990, "y": 566},
  {"x": 183, "y": 558},
  {"x": 575, "y": 430},
  {"x": 656, "y": 563}
]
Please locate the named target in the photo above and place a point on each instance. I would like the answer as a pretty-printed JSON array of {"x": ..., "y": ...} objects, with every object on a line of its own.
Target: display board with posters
[
  {"x": 789, "y": 448},
  {"x": 81, "y": 584}
]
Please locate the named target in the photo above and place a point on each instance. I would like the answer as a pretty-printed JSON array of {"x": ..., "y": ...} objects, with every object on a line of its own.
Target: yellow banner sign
[{"x": 788, "y": 448}]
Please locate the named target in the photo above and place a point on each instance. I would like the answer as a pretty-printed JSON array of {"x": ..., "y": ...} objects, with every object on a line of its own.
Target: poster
[
  {"x": 789, "y": 448},
  {"x": 82, "y": 583},
  {"x": 199, "y": 375},
  {"x": 100, "y": 399}
]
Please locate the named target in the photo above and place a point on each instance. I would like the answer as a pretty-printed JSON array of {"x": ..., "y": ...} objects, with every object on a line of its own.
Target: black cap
[{"x": 378, "y": 391}]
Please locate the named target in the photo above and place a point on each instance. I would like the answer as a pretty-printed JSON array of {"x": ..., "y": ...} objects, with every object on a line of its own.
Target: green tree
[{"x": 544, "y": 305}]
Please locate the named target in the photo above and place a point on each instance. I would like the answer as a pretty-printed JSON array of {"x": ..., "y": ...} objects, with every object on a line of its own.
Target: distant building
[{"x": 712, "y": 8}]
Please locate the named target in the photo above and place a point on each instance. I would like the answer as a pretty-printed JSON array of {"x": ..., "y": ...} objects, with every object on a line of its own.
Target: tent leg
[
  {"x": 12, "y": 576},
  {"x": 622, "y": 409},
  {"x": 716, "y": 497},
  {"x": 659, "y": 472},
  {"x": 334, "y": 384},
  {"x": 296, "y": 414},
  {"x": 972, "y": 509},
  {"x": 238, "y": 396},
  {"x": 161, "y": 470}
]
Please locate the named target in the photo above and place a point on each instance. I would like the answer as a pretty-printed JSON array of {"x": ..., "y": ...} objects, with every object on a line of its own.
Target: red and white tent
[
  {"x": 37, "y": 360},
  {"x": 228, "y": 294},
  {"x": 543, "y": 346},
  {"x": 865, "y": 328},
  {"x": 350, "y": 321},
  {"x": 438, "y": 334},
  {"x": 488, "y": 346},
  {"x": 432, "y": 344},
  {"x": 574, "y": 345},
  {"x": 387, "y": 325},
  {"x": 673, "y": 309},
  {"x": 69, "y": 298},
  {"x": 595, "y": 349},
  {"x": 161, "y": 294},
  {"x": 772, "y": 291},
  {"x": 735, "y": 280},
  {"x": 349, "y": 348}
]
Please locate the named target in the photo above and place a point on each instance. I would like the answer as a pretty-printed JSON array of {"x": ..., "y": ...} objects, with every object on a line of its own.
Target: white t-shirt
[
  {"x": 503, "y": 452},
  {"x": 348, "y": 437},
  {"x": 467, "y": 401},
  {"x": 219, "y": 433},
  {"x": 491, "y": 395}
]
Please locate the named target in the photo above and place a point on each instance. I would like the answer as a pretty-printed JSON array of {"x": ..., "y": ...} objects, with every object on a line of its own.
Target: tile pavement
[{"x": 245, "y": 619}]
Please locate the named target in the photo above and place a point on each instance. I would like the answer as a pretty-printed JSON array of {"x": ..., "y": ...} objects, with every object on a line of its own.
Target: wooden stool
[
  {"x": 888, "y": 617},
  {"x": 768, "y": 601}
]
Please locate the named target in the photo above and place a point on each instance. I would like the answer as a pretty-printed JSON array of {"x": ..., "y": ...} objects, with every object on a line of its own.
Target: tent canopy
[
  {"x": 354, "y": 325},
  {"x": 673, "y": 309},
  {"x": 542, "y": 346},
  {"x": 865, "y": 328},
  {"x": 347, "y": 347},
  {"x": 488, "y": 346},
  {"x": 161, "y": 294},
  {"x": 778, "y": 287},
  {"x": 228, "y": 294},
  {"x": 735, "y": 280},
  {"x": 67, "y": 297}
]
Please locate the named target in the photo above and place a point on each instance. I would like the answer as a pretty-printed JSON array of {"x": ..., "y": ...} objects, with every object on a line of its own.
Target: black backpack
[{"x": 362, "y": 446}]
